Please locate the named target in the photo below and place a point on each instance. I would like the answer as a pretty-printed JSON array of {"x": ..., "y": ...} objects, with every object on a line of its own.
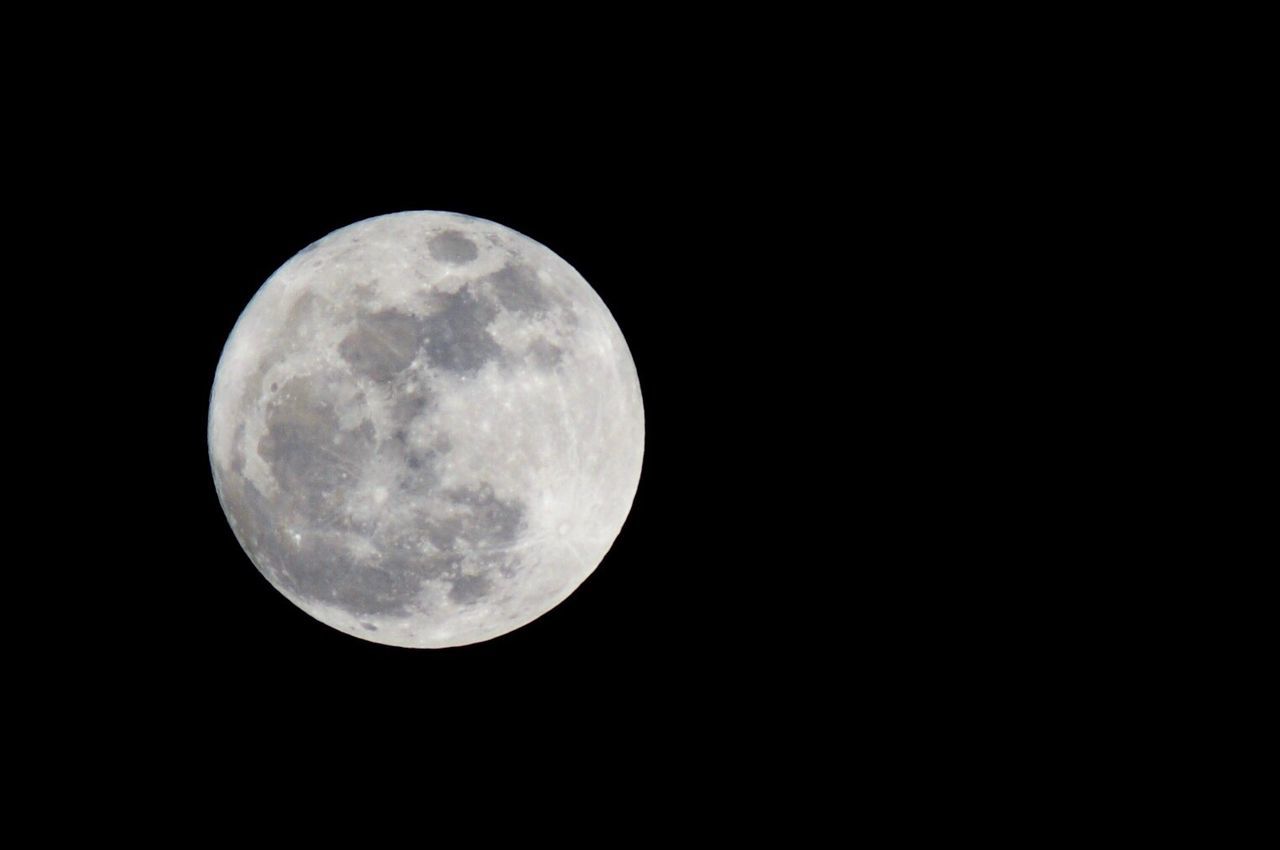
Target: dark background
[
  {"x": 846, "y": 261},
  {"x": 697, "y": 250},
  {"x": 709, "y": 205}
]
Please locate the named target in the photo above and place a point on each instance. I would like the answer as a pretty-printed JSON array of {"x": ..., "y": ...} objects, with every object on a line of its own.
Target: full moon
[{"x": 426, "y": 429}]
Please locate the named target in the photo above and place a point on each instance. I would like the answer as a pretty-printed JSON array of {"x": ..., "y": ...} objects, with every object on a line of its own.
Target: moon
[{"x": 426, "y": 429}]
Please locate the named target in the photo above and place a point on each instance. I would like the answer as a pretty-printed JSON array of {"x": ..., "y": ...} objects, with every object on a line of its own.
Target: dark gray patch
[
  {"x": 250, "y": 514},
  {"x": 370, "y": 626},
  {"x": 305, "y": 309},
  {"x": 482, "y": 521},
  {"x": 316, "y": 565},
  {"x": 321, "y": 569},
  {"x": 383, "y": 344},
  {"x": 308, "y": 451},
  {"x": 444, "y": 533},
  {"x": 237, "y": 450},
  {"x": 419, "y": 475},
  {"x": 457, "y": 338},
  {"x": 452, "y": 247},
  {"x": 274, "y": 386},
  {"x": 544, "y": 354},
  {"x": 468, "y": 590},
  {"x": 405, "y": 555},
  {"x": 309, "y": 248},
  {"x": 408, "y": 405},
  {"x": 517, "y": 288},
  {"x": 417, "y": 465}
]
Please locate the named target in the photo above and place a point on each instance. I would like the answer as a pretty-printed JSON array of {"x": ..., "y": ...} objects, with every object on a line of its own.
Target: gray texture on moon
[{"x": 426, "y": 429}]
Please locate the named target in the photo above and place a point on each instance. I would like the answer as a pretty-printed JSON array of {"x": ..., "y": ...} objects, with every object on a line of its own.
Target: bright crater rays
[{"x": 426, "y": 429}]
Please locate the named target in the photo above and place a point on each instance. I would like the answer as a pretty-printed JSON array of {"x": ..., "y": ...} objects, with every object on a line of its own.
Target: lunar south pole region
[{"x": 426, "y": 429}]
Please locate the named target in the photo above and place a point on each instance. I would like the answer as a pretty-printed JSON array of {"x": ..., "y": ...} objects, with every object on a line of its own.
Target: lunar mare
[{"x": 426, "y": 429}]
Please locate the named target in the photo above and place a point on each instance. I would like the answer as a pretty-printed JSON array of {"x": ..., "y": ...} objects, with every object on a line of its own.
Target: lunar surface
[{"x": 426, "y": 429}]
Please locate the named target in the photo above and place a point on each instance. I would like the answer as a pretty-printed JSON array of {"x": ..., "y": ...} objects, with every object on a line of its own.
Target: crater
[{"x": 452, "y": 247}]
